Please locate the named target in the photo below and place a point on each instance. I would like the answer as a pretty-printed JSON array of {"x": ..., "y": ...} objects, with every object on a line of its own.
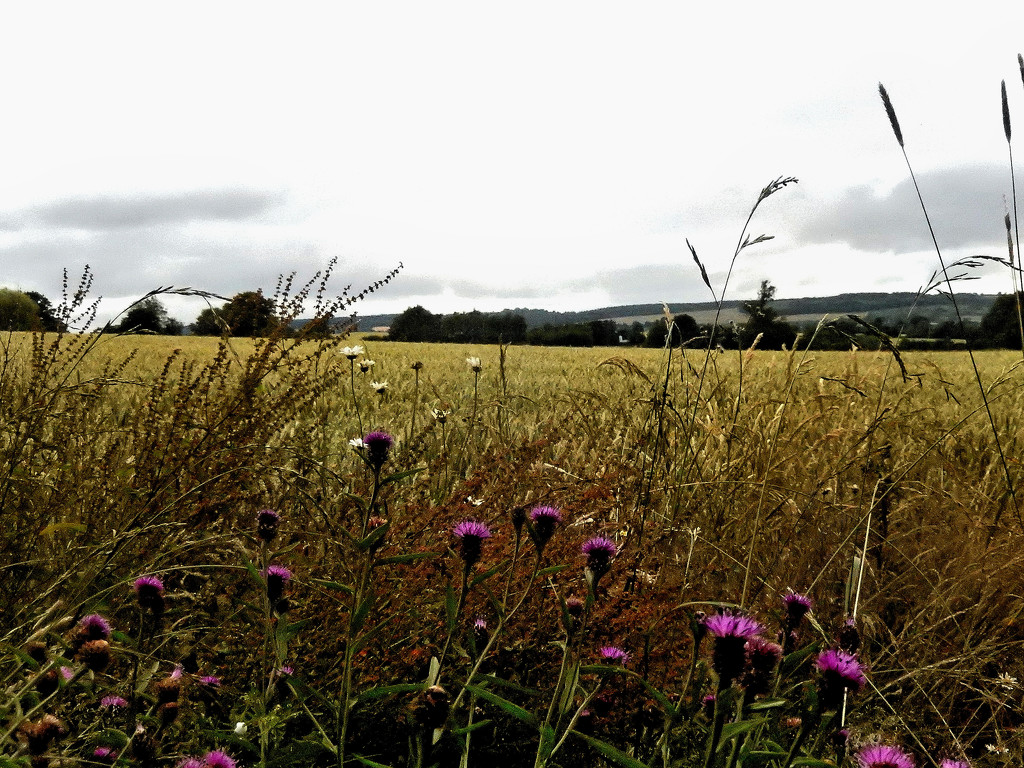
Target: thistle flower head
[
  {"x": 210, "y": 681},
  {"x": 610, "y": 654},
  {"x": 267, "y": 521},
  {"x": 113, "y": 702},
  {"x": 189, "y": 762},
  {"x": 377, "y": 445},
  {"x": 277, "y": 576},
  {"x": 471, "y": 534},
  {"x": 600, "y": 552},
  {"x": 797, "y": 606},
  {"x": 105, "y": 755},
  {"x": 840, "y": 671},
  {"x": 731, "y": 625},
  {"x": 950, "y": 763},
  {"x": 218, "y": 759},
  {"x": 94, "y": 627},
  {"x": 884, "y": 756},
  {"x": 731, "y": 632},
  {"x": 95, "y": 655},
  {"x": 849, "y": 636},
  {"x": 149, "y": 591},
  {"x": 762, "y": 656},
  {"x": 543, "y": 521}
]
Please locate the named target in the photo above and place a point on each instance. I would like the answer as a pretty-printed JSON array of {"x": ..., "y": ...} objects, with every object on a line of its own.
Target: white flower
[
  {"x": 474, "y": 502},
  {"x": 474, "y": 363},
  {"x": 365, "y": 365},
  {"x": 439, "y": 415},
  {"x": 380, "y": 386},
  {"x": 357, "y": 443},
  {"x": 352, "y": 352},
  {"x": 241, "y": 729}
]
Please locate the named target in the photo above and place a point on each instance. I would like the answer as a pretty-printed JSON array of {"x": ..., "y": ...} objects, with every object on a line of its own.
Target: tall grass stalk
[{"x": 1011, "y": 488}]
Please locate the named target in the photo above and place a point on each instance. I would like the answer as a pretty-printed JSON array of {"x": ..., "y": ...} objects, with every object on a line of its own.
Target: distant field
[{"x": 720, "y": 480}]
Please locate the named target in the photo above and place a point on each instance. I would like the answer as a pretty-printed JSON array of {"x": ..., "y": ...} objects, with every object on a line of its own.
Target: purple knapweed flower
[
  {"x": 218, "y": 759},
  {"x": 189, "y": 762},
  {"x": 149, "y": 591},
  {"x": 277, "y": 576},
  {"x": 731, "y": 632},
  {"x": 849, "y": 636},
  {"x": 610, "y": 654},
  {"x": 471, "y": 534},
  {"x": 377, "y": 445},
  {"x": 797, "y": 606},
  {"x": 840, "y": 672},
  {"x": 113, "y": 702},
  {"x": 884, "y": 756},
  {"x": 210, "y": 681},
  {"x": 105, "y": 755},
  {"x": 267, "y": 521},
  {"x": 543, "y": 521},
  {"x": 600, "y": 552},
  {"x": 68, "y": 673},
  {"x": 950, "y": 763},
  {"x": 94, "y": 627},
  {"x": 762, "y": 656}
]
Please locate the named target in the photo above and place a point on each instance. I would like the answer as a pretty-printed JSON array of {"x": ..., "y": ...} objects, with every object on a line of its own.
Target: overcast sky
[{"x": 543, "y": 154}]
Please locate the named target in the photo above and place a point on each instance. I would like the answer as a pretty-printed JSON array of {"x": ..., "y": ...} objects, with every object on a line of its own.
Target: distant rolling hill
[{"x": 890, "y": 306}]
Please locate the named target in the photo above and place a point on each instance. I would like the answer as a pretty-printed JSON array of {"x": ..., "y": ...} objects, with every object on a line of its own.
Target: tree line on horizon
[{"x": 250, "y": 313}]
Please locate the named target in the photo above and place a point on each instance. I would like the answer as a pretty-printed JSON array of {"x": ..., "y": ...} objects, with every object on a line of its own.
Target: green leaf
[
  {"x": 503, "y": 704},
  {"x": 483, "y": 577},
  {"x": 470, "y": 728},
  {"x": 732, "y": 730},
  {"x": 401, "y": 476},
  {"x": 611, "y": 753},
  {"x": 451, "y": 607},
  {"x": 374, "y": 537},
  {"x": 813, "y": 762},
  {"x": 112, "y": 737},
  {"x": 406, "y": 558},
  {"x": 361, "y": 612},
  {"x": 550, "y": 570},
  {"x": 369, "y": 762},
  {"x": 337, "y": 586},
  {"x": 297, "y": 753},
  {"x": 372, "y": 694},
  {"x": 362, "y": 640},
  {"x": 547, "y": 743},
  {"x": 761, "y": 757},
  {"x": 484, "y": 679},
  {"x": 758, "y": 706},
  {"x": 59, "y": 527}
]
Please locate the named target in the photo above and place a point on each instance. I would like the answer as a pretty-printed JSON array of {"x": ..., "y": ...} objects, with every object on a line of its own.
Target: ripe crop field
[{"x": 482, "y": 555}]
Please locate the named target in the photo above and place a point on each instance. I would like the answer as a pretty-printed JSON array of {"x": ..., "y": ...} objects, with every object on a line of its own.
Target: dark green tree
[
  {"x": 415, "y": 324},
  {"x": 147, "y": 316},
  {"x": 763, "y": 320},
  {"x": 249, "y": 313},
  {"x": 1000, "y": 326},
  {"x": 684, "y": 329},
  {"x": 47, "y": 314},
  {"x": 17, "y": 311}
]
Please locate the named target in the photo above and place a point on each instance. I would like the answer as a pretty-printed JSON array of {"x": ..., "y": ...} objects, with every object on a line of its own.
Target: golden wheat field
[{"x": 883, "y": 487}]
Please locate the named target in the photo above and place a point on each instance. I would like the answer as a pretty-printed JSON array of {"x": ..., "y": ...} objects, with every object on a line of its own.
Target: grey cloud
[
  {"x": 965, "y": 204},
  {"x": 656, "y": 282},
  {"x": 470, "y": 289},
  {"x": 107, "y": 212},
  {"x": 131, "y": 262}
]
